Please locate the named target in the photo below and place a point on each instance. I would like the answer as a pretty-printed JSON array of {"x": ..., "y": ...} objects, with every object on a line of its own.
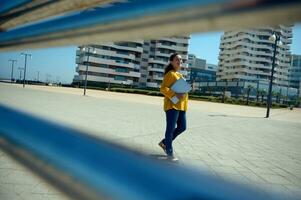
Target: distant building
[
  {"x": 211, "y": 67},
  {"x": 115, "y": 63},
  {"x": 246, "y": 55},
  {"x": 194, "y": 62},
  {"x": 198, "y": 70},
  {"x": 135, "y": 63},
  {"x": 156, "y": 55},
  {"x": 295, "y": 72}
]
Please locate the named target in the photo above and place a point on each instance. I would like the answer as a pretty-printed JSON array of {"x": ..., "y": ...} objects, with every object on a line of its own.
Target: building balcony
[
  {"x": 110, "y": 62},
  {"x": 167, "y": 55},
  {"x": 156, "y": 77},
  {"x": 109, "y": 71},
  {"x": 180, "y": 48},
  {"x": 154, "y": 69},
  {"x": 255, "y": 32},
  {"x": 247, "y": 50},
  {"x": 78, "y": 52},
  {"x": 152, "y": 60},
  {"x": 254, "y": 72},
  {"x": 152, "y": 85},
  {"x": 245, "y": 63},
  {"x": 115, "y": 54},
  {"x": 104, "y": 79},
  {"x": 176, "y": 40},
  {"x": 172, "y": 47},
  {"x": 246, "y": 36},
  {"x": 242, "y": 43},
  {"x": 249, "y": 58},
  {"x": 135, "y": 49},
  {"x": 160, "y": 45}
]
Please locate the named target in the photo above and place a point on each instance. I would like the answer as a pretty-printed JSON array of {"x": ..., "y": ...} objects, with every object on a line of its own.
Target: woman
[{"x": 175, "y": 112}]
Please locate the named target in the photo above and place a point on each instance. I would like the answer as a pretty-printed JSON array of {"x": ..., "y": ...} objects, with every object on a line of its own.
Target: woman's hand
[{"x": 180, "y": 95}]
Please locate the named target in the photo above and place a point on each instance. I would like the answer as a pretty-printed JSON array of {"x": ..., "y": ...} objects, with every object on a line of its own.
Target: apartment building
[
  {"x": 109, "y": 63},
  {"x": 193, "y": 61},
  {"x": 211, "y": 67},
  {"x": 138, "y": 63},
  {"x": 246, "y": 55},
  {"x": 295, "y": 72},
  {"x": 156, "y": 55},
  {"x": 199, "y": 71}
]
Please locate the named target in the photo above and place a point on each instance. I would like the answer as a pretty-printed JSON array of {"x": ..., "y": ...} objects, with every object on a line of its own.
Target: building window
[
  {"x": 124, "y": 70},
  {"x": 120, "y": 78}
]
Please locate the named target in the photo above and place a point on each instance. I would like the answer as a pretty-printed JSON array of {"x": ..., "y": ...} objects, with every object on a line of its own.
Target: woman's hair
[{"x": 169, "y": 66}]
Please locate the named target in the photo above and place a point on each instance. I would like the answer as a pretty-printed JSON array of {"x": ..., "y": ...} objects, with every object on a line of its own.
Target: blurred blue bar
[
  {"x": 6, "y": 5},
  {"x": 107, "y": 22},
  {"x": 108, "y": 170},
  {"x": 119, "y": 12}
]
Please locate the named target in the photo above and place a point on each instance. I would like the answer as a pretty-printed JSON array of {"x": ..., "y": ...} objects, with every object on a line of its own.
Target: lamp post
[
  {"x": 87, "y": 48},
  {"x": 276, "y": 39},
  {"x": 12, "y": 69},
  {"x": 25, "y": 63}
]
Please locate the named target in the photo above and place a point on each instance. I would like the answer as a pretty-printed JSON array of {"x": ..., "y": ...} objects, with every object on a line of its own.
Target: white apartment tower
[
  {"x": 115, "y": 63},
  {"x": 156, "y": 55},
  {"x": 246, "y": 55},
  {"x": 138, "y": 63}
]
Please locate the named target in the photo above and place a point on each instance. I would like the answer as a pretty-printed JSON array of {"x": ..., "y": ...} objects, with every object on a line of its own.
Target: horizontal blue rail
[
  {"x": 76, "y": 25},
  {"x": 119, "y": 12},
  {"x": 7, "y": 5},
  {"x": 103, "y": 169}
]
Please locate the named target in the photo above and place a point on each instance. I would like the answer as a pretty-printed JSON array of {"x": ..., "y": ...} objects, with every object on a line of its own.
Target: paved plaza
[{"x": 227, "y": 141}]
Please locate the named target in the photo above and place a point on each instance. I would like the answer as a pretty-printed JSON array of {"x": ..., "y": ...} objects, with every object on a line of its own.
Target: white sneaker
[{"x": 172, "y": 158}]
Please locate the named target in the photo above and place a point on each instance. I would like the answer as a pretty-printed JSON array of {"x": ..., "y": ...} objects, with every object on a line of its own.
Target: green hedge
[
  {"x": 136, "y": 91},
  {"x": 194, "y": 96}
]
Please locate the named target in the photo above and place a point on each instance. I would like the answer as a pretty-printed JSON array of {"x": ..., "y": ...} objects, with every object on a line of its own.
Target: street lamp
[
  {"x": 25, "y": 56},
  {"x": 276, "y": 39},
  {"x": 87, "y": 48},
  {"x": 12, "y": 69}
]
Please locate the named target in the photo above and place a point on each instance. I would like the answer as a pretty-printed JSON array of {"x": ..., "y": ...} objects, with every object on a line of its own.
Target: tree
[
  {"x": 262, "y": 93},
  {"x": 278, "y": 96},
  {"x": 257, "y": 95},
  {"x": 274, "y": 94},
  {"x": 249, "y": 89},
  {"x": 224, "y": 95}
]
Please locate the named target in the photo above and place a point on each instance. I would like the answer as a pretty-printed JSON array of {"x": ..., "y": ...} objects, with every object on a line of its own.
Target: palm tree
[
  {"x": 257, "y": 95},
  {"x": 249, "y": 88},
  {"x": 224, "y": 95},
  {"x": 278, "y": 96},
  {"x": 262, "y": 93},
  {"x": 274, "y": 94}
]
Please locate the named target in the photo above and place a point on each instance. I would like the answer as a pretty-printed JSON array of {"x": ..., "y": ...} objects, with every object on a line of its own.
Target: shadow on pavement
[{"x": 234, "y": 116}]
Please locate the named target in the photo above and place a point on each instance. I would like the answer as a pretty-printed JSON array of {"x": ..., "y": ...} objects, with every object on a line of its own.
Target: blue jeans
[{"x": 173, "y": 117}]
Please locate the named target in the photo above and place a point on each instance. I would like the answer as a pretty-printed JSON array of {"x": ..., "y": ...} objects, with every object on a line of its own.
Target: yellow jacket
[{"x": 169, "y": 79}]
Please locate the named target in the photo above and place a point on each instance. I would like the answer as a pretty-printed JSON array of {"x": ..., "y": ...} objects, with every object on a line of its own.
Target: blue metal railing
[
  {"x": 102, "y": 169},
  {"x": 7, "y": 5},
  {"x": 139, "y": 15},
  {"x": 85, "y": 167}
]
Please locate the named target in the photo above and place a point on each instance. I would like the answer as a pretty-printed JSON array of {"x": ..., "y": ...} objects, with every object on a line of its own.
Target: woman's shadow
[{"x": 162, "y": 157}]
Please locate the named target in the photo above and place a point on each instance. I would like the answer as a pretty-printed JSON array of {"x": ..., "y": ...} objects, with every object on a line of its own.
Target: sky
[{"x": 59, "y": 62}]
